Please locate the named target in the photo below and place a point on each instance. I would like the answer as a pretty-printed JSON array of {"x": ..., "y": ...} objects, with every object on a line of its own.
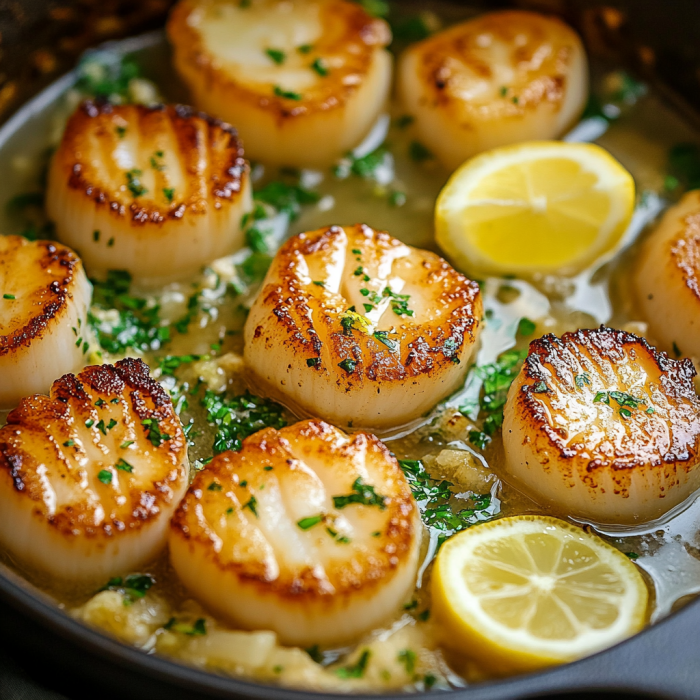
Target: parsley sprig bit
[
  {"x": 196, "y": 629},
  {"x": 237, "y": 417},
  {"x": 363, "y": 494},
  {"x": 624, "y": 401},
  {"x": 132, "y": 587},
  {"x": 356, "y": 670},
  {"x": 497, "y": 378},
  {"x": 434, "y": 498},
  {"x": 399, "y": 302},
  {"x": 153, "y": 432}
]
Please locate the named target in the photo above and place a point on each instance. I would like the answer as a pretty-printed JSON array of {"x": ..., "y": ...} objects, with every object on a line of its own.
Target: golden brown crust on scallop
[
  {"x": 56, "y": 269},
  {"x": 227, "y": 484},
  {"x": 348, "y": 30},
  {"x": 524, "y": 33},
  {"x": 57, "y": 444},
  {"x": 308, "y": 317},
  {"x": 662, "y": 432},
  {"x": 685, "y": 252},
  {"x": 197, "y": 137}
]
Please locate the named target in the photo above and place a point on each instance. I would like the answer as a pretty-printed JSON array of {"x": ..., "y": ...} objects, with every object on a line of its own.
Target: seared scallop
[
  {"x": 44, "y": 300},
  {"x": 306, "y": 531},
  {"x": 603, "y": 427},
  {"x": 302, "y": 81},
  {"x": 498, "y": 79},
  {"x": 667, "y": 277},
  {"x": 91, "y": 474},
  {"x": 355, "y": 327},
  {"x": 158, "y": 191}
]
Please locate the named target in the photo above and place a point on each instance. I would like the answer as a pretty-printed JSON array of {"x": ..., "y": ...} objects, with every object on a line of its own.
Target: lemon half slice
[
  {"x": 542, "y": 206},
  {"x": 527, "y": 592}
]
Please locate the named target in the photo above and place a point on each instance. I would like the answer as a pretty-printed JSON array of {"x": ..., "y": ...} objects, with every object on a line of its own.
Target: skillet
[{"x": 655, "y": 39}]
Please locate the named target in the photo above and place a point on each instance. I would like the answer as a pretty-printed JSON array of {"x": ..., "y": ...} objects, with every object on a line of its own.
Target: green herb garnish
[
  {"x": 199, "y": 628},
  {"x": 358, "y": 669},
  {"x": 286, "y": 94},
  {"x": 363, "y": 494},
  {"x": 276, "y": 55},
  {"x": 238, "y": 417},
  {"x": 252, "y": 505},
  {"x": 319, "y": 65},
  {"x": 308, "y": 523},
  {"x": 348, "y": 365}
]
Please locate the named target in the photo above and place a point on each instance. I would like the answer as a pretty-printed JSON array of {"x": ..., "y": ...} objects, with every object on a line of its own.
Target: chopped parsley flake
[
  {"x": 120, "y": 131},
  {"x": 105, "y": 476},
  {"x": 358, "y": 669},
  {"x": 286, "y": 94},
  {"x": 418, "y": 152},
  {"x": 214, "y": 486},
  {"x": 348, "y": 365},
  {"x": 133, "y": 183},
  {"x": 252, "y": 505},
  {"x": 199, "y": 628},
  {"x": 305, "y": 48},
  {"x": 125, "y": 444},
  {"x": 383, "y": 337},
  {"x": 169, "y": 193},
  {"x": 526, "y": 327},
  {"x": 404, "y": 121},
  {"x": 308, "y": 523},
  {"x": 69, "y": 443},
  {"x": 170, "y": 363},
  {"x": 399, "y": 302},
  {"x": 124, "y": 466},
  {"x": 408, "y": 659},
  {"x": 313, "y": 361},
  {"x": 157, "y": 161},
  {"x": 319, "y": 65},
  {"x": 132, "y": 587},
  {"x": 582, "y": 380},
  {"x": 153, "y": 432},
  {"x": 286, "y": 198},
  {"x": 540, "y": 388},
  {"x": 479, "y": 439},
  {"x": 276, "y": 55},
  {"x": 624, "y": 401},
  {"x": 12, "y": 297},
  {"x": 363, "y": 494}
]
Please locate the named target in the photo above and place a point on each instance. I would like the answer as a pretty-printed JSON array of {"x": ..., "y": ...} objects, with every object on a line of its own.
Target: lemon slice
[
  {"x": 541, "y": 206},
  {"x": 527, "y": 592}
]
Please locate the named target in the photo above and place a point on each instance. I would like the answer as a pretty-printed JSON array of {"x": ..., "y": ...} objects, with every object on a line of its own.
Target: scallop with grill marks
[
  {"x": 158, "y": 191},
  {"x": 355, "y": 327},
  {"x": 303, "y": 81},
  {"x": 604, "y": 427},
  {"x": 306, "y": 531},
  {"x": 90, "y": 475},
  {"x": 667, "y": 277},
  {"x": 44, "y": 300},
  {"x": 498, "y": 79}
]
